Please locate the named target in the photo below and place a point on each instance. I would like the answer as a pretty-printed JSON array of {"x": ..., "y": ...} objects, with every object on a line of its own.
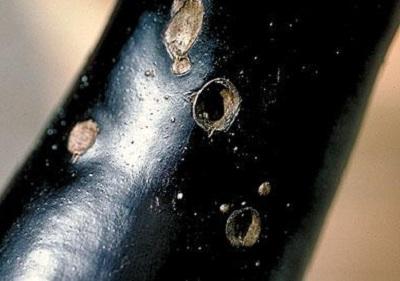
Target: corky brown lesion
[
  {"x": 182, "y": 32},
  {"x": 81, "y": 138}
]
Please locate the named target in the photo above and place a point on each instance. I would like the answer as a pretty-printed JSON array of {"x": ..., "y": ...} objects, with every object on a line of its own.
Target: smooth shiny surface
[
  {"x": 143, "y": 202},
  {"x": 144, "y": 122}
]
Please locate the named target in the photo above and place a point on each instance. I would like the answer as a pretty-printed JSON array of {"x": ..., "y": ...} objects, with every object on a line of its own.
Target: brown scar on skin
[
  {"x": 231, "y": 104},
  {"x": 182, "y": 32},
  {"x": 176, "y": 6},
  {"x": 81, "y": 138},
  {"x": 264, "y": 189}
]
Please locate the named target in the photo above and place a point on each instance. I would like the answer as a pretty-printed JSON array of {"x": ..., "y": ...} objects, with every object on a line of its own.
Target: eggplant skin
[{"x": 151, "y": 195}]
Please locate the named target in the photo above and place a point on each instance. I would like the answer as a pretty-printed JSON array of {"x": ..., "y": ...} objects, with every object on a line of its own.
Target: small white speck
[
  {"x": 179, "y": 196},
  {"x": 224, "y": 208},
  {"x": 149, "y": 73}
]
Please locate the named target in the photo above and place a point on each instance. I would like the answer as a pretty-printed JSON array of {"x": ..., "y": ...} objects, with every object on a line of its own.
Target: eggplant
[{"x": 204, "y": 140}]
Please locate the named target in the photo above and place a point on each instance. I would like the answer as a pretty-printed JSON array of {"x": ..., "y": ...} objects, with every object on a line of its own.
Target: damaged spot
[
  {"x": 81, "y": 138},
  {"x": 176, "y": 6},
  {"x": 243, "y": 227},
  {"x": 216, "y": 105},
  {"x": 264, "y": 189},
  {"x": 182, "y": 32}
]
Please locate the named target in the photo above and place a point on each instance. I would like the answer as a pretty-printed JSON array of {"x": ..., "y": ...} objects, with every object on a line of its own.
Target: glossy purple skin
[{"x": 303, "y": 71}]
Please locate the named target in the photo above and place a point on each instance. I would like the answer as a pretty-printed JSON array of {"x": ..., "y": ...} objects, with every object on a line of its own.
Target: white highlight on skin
[{"x": 40, "y": 265}]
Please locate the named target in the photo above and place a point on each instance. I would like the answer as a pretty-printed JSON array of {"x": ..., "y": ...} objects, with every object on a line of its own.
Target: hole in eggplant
[
  {"x": 216, "y": 105},
  {"x": 243, "y": 227}
]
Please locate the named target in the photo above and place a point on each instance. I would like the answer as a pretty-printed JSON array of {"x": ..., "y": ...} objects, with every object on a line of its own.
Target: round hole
[
  {"x": 216, "y": 105},
  {"x": 243, "y": 227}
]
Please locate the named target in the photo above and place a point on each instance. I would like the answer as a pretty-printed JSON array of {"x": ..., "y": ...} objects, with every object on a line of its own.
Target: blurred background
[{"x": 44, "y": 44}]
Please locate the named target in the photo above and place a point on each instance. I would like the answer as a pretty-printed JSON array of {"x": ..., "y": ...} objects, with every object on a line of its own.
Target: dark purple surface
[{"x": 303, "y": 71}]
